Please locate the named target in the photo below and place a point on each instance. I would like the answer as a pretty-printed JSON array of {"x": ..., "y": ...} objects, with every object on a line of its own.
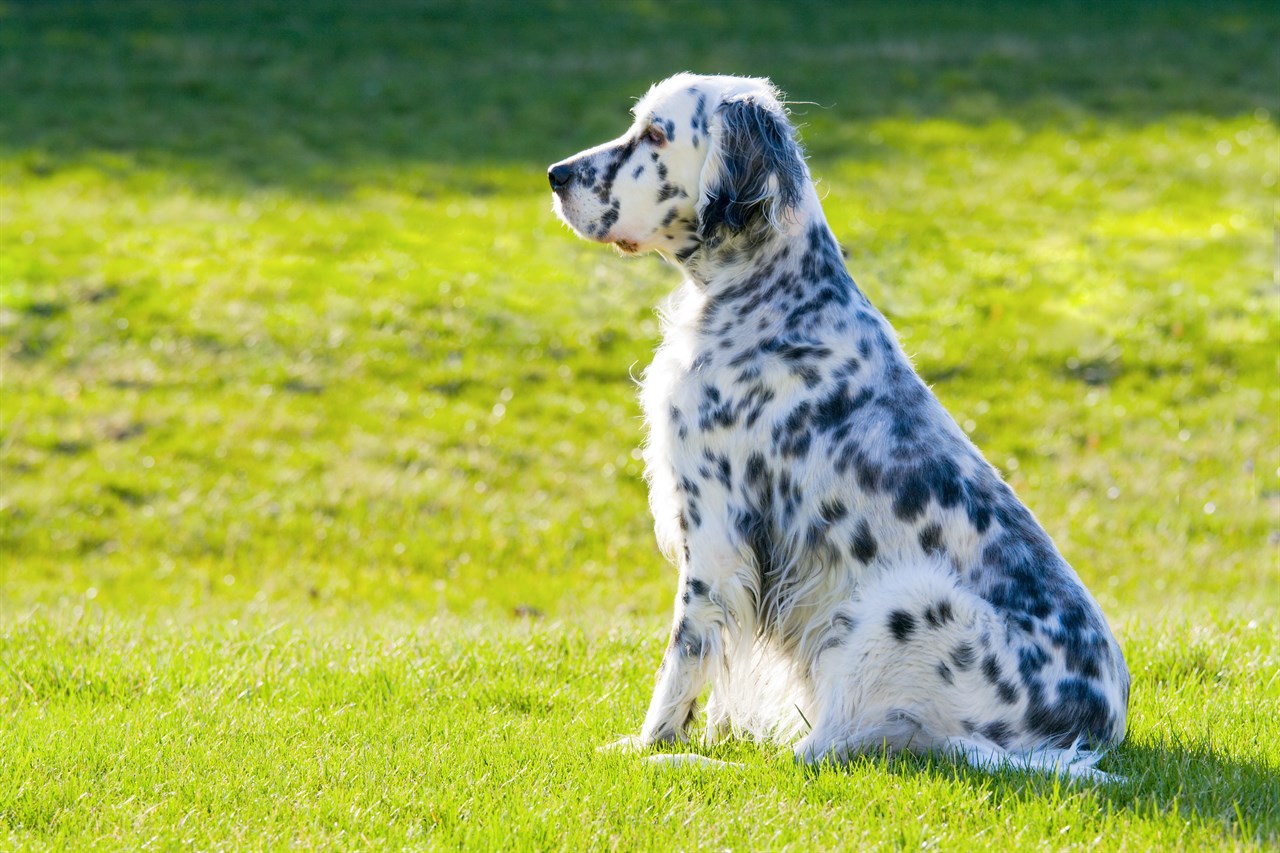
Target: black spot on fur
[
  {"x": 789, "y": 496},
  {"x": 939, "y": 614},
  {"x": 611, "y": 172},
  {"x": 944, "y": 672},
  {"x": 808, "y": 374},
  {"x": 914, "y": 484},
  {"x": 901, "y": 624},
  {"x": 841, "y": 627},
  {"x": 995, "y": 677},
  {"x": 999, "y": 732},
  {"x": 715, "y": 411},
  {"x": 911, "y": 498},
  {"x": 678, "y": 423},
  {"x": 904, "y": 399},
  {"x": 1081, "y": 711},
  {"x": 754, "y": 401},
  {"x": 991, "y": 669},
  {"x": 689, "y": 487},
  {"x": 978, "y": 502},
  {"x": 755, "y": 525},
  {"x": 699, "y": 120},
  {"x": 1083, "y": 646},
  {"x": 723, "y": 470},
  {"x": 847, "y": 369},
  {"x": 822, "y": 262},
  {"x": 864, "y": 544},
  {"x": 1031, "y": 659},
  {"x": 698, "y": 587},
  {"x": 686, "y": 641},
  {"x": 964, "y": 656},
  {"x": 791, "y": 436},
  {"x": 834, "y": 411},
  {"x": 931, "y": 538},
  {"x": 637, "y": 172},
  {"x": 832, "y": 510}
]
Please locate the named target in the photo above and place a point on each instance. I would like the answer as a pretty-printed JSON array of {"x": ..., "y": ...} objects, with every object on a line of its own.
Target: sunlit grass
[
  {"x": 436, "y": 391},
  {"x": 257, "y": 733},
  {"x": 308, "y": 408}
]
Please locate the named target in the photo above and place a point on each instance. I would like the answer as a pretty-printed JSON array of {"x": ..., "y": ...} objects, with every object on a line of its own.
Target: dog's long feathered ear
[{"x": 755, "y": 170}]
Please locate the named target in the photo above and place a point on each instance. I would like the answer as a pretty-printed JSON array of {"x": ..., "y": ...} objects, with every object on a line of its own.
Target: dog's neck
[
  {"x": 791, "y": 278},
  {"x": 724, "y": 258}
]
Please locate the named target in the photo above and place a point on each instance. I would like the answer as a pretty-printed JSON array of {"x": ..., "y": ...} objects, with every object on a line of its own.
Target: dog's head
[{"x": 707, "y": 158}]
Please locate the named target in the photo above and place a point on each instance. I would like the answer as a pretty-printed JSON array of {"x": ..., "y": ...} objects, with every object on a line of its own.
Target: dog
[{"x": 853, "y": 574}]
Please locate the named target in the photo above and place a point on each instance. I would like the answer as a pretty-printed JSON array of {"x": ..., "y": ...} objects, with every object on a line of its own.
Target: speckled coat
[{"x": 853, "y": 574}]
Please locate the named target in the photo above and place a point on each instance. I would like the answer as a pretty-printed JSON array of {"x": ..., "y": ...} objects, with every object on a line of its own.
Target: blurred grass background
[
  {"x": 309, "y": 409},
  {"x": 285, "y": 320}
]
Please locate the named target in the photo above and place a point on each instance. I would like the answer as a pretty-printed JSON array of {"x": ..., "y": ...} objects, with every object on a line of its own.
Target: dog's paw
[
  {"x": 812, "y": 753},
  {"x": 630, "y": 743}
]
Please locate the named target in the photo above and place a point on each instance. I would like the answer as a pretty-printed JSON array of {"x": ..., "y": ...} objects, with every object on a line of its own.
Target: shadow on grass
[
  {"x": 1241, "y": 798},
  {"x": 268, "y": 92}
]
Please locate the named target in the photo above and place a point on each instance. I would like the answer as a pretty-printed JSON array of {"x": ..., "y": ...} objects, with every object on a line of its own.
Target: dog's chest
[
  {"x": 737, "y": 416},
  {"x": 811, "y": 433},
  {"x": 712, "y": 393}
]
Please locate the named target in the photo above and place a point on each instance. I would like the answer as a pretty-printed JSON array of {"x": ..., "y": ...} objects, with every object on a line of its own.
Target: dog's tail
[{"x": 1074, "y": 762}]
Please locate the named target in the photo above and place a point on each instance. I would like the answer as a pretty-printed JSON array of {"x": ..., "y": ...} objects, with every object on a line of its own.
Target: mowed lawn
[{"x": 321, "y": 518}]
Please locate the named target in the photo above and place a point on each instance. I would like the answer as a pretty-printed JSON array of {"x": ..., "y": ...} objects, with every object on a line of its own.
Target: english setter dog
[{"x": 853, "y": 574}]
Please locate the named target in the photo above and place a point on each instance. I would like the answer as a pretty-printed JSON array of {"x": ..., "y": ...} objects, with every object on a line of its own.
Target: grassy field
[{"x": 320, "y": 513}]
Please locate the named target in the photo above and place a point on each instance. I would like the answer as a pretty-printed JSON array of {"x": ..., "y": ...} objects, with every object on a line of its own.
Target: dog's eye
[{"x": 655, "y": 135}]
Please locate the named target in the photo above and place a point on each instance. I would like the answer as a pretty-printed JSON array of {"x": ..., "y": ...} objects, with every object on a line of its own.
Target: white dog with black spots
[{"x": 854, "y": 576}]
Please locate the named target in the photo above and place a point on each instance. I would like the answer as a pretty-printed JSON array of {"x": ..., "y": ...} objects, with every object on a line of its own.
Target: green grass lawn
[{"x": 321, "y": 521}]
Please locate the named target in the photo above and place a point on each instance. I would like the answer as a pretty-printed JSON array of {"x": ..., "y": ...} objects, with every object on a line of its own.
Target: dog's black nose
[{"x": 560, "y": 175}]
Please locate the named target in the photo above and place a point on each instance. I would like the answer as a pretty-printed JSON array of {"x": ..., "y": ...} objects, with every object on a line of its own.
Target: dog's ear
[{"x": 755, "y": 169}]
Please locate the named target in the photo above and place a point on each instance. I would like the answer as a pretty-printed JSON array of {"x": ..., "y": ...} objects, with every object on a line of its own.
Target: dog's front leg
[{"x": 695, "y": 651}]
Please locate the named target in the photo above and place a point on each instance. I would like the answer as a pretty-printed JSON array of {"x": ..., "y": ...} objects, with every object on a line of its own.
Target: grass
[
  {"x": 320, "y": 512},
  {"x": 454, "y": 734}
]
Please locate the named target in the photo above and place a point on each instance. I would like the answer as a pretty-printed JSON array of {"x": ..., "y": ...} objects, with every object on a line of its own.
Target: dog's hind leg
[{"x": 903, "y": 669}]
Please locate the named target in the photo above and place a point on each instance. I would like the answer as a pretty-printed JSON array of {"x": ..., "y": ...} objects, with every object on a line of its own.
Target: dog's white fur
[{"x": 853, "y": 574}]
